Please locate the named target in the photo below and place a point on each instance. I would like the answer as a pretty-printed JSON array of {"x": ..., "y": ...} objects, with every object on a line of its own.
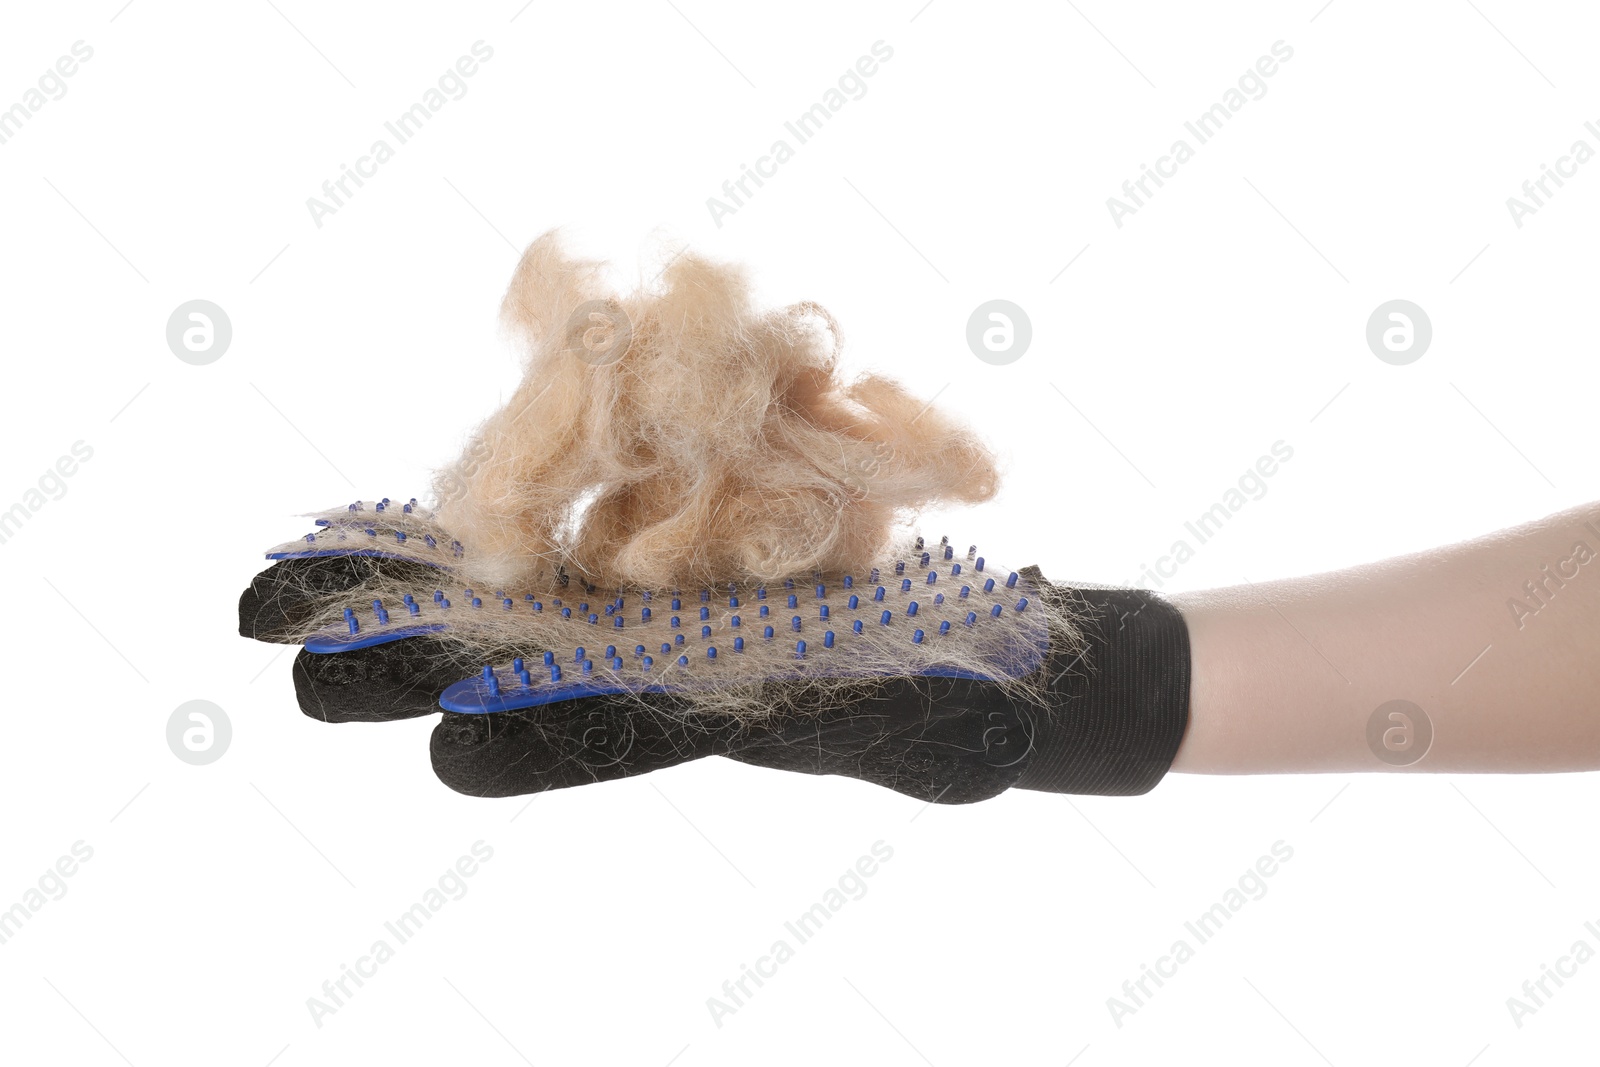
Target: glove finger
[
  {"x": 283, "y": 598},
  {"x": 395, "y": 680},
  {"x": 951, "y": 741},
  {"x": 945, "y": 740},
  {"x": 573, "y": 742}
]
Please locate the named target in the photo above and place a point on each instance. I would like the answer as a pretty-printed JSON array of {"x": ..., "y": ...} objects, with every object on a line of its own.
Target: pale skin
[{"x": 1287, "y": 674}]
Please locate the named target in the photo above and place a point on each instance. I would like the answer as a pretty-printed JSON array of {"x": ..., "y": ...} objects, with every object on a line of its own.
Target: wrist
[{"x": 1119, "y": 702}]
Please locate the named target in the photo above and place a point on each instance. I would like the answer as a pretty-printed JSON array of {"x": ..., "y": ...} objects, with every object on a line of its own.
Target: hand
[{"x": 1115, "y": 714}]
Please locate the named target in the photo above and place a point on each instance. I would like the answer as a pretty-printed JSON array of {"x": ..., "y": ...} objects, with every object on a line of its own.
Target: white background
[{"x": 1227, "y": 314}]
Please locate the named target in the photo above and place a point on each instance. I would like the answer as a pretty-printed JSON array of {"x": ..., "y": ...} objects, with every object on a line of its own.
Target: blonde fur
[
  {"x": 680, "y": 435},
  {"x": 485, "y": 624}
]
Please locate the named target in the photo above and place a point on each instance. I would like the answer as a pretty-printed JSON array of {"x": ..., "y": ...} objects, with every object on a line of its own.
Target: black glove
[{"x": 1117, "y": 708}]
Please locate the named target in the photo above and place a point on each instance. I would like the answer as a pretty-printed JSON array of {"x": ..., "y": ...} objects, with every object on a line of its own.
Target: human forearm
[{"x": 1287, "y": 674}]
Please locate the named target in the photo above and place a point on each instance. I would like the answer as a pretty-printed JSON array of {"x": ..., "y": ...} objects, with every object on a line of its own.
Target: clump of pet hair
[
  {"x": 982, "y": 631},
  {"x": 680, "y": 434}
]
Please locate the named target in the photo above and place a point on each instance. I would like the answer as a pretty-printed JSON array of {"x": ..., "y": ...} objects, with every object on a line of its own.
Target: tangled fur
[
  {"x": 682, "y": 438},
  {"x": 987, "y": 636},
  {"x": 680, "y": 435}
]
